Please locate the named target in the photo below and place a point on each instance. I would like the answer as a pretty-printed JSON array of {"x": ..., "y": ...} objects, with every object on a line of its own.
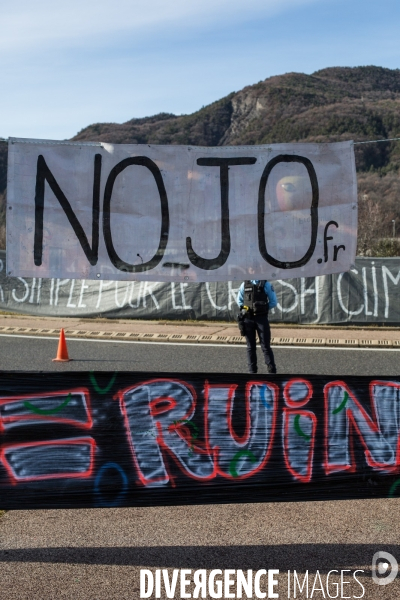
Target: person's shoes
[
  {"x": 253, "y": 372},
  {"x": 271, "y": 369}
]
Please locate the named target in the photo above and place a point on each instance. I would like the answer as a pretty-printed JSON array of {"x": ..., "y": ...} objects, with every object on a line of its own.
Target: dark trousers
[{"x": 258, "y": 324}]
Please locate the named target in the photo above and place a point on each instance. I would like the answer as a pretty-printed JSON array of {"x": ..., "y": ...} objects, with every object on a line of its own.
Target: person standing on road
[{"x": 254, "y": 299}]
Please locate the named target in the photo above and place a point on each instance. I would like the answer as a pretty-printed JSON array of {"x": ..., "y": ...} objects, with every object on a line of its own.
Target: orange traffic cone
[{"x": 62, "y": 352}]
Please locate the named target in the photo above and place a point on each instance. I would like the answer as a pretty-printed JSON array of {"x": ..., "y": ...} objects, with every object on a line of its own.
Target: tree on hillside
[{"x": 370, "y": 224}]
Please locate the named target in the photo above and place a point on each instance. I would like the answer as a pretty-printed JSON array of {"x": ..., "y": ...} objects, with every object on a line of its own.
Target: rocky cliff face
[{"x": 329, "y": 105}]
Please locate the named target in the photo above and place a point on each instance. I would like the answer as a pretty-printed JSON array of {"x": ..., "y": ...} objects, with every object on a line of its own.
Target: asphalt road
[
  {"x": 97, "y": 554},
  {"x": 35, "y": 354}
]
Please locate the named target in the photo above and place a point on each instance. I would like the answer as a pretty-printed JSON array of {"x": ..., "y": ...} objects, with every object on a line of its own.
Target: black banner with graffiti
[
  {"x": 370, "y": 293},
  {"x": 127, "y": 439}
]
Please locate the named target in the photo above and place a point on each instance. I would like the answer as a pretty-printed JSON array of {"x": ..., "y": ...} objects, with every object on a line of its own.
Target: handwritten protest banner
[
  {"x": 79, "y": 439},
  {"x": 180, "y": 213},
  {"x": 369, "y": 293}
]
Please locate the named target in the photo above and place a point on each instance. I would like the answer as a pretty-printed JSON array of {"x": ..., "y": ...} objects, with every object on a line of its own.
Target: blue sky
[{"x": 65, "y": 65}]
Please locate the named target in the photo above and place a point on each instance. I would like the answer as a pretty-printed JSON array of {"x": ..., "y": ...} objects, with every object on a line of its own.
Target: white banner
[{"x": 180, "y": 213}]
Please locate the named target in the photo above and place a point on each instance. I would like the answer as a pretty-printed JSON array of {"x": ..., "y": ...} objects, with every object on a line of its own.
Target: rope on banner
[
  {"x": 3, "y": 141},
  {"x": 55, "y": 143},
  {"x": 377, "y": 141}
]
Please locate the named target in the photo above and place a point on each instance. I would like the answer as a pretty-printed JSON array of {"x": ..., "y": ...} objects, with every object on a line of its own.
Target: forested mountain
[{"x": 333, "y": 104}]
